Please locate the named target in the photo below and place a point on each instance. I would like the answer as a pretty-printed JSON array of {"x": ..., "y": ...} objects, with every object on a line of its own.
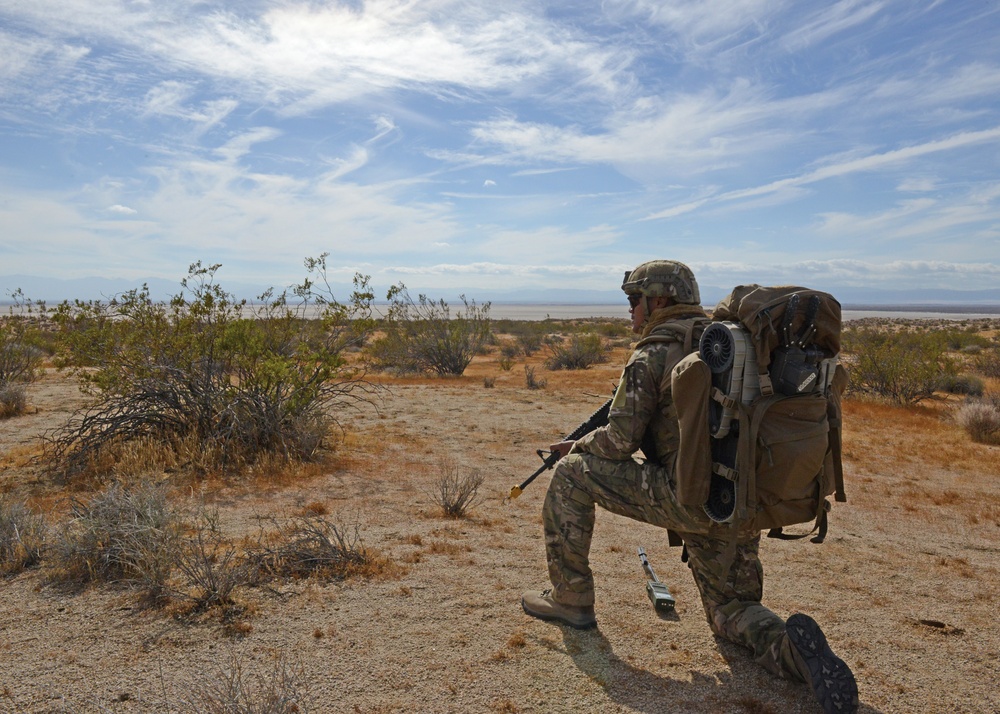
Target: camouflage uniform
[{"x": 601, "y": 470}]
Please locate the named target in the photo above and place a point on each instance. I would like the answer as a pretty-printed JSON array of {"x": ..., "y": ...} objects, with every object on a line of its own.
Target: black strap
[{"x": 819, "y": 528}]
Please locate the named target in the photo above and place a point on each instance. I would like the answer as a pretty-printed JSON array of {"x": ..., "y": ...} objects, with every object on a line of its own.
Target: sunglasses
[{"x": 633, "y": 300}]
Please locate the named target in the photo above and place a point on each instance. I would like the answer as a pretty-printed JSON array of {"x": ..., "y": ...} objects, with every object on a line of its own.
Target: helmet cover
[{"x": 659, "y": 278}]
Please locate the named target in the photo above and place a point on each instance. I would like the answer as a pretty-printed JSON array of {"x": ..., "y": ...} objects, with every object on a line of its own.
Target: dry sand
[{"x": 905, "y": 586}]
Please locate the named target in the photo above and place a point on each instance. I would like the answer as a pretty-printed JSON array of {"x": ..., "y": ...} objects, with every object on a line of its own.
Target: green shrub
[
  {"x": 423, "y": 336},
  {"x": 903, "y": 367},
  {"x": 961, "y": 384},
  {"x": 987, "y": 363},
  {"x": 204, "y": 370},
  {"x": 581, "y": 352}
]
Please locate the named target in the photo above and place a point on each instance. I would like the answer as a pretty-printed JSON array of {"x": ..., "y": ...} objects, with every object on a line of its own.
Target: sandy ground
[{"x": 905, "y": 586}]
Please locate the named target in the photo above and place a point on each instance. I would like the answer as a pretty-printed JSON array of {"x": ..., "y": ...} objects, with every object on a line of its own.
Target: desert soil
[{"x": 905, "y": 586}]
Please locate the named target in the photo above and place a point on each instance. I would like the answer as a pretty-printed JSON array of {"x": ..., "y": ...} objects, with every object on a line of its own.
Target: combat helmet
[{"x": 657, "y": 278}]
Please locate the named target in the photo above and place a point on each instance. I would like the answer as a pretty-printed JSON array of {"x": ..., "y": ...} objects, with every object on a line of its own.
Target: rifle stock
[{"x": 596, "y": 420}]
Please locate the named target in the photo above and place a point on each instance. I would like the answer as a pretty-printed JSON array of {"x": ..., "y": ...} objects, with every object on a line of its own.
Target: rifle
[{"x": 595, "y": 421}]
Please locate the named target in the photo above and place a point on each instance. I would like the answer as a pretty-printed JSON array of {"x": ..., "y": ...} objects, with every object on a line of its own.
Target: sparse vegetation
[
  {"x": 212, "y": 571},
  {"x": 20, "y": 360},
  {"x": 532, "y": 381},
  {"x": 902, "y": 366},
  {"x": 218, "y": 387},
  {"x": 966, "y": 384},
  {"x": 312, "y": 546},
  {"x": 457, "y": 489},
  {"x": 424, "y": 336},
  {"x": 234, "y": 689},
  {"x": 987, "y": 363},
  {"x": 23, "y": 536},
  {"x": 581, "y": 351},
  {"x": 124, "y": 536},
  {"x": 980, "y": 418}
]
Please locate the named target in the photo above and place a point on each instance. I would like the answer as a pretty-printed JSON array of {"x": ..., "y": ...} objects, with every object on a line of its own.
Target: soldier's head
[{"x": 659, "y": 283}]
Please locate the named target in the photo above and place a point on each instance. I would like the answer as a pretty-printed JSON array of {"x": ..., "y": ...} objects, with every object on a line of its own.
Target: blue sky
[{"x": 503, "y": 145}]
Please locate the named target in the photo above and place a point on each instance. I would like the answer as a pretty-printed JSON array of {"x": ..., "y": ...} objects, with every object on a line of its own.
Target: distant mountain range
[{"x": 54, "y": 291}]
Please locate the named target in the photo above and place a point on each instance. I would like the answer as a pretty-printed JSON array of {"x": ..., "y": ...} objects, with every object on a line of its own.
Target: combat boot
[
  {"x": 831, "y": 679},
  {"x": 544, "y": 606}
]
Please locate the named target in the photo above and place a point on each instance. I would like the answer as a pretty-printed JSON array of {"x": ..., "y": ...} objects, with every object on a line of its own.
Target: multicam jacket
[{"x": 642, "y": 412}]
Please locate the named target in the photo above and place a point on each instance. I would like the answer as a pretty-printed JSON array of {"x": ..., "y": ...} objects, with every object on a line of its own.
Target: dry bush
[
  {"x": 457, "y": 490},
  {"x": 212, "y": 571},
  {"x": 127, "y": 536},
  {"x": 311, "y": 546},
  {"x": 531, "y": 381},
  {"x": 234, "y": 690},
  {"x": 13, "y": 400},
  {"x": 23, "y": 535},
  {"x": 980, "y": 418}
]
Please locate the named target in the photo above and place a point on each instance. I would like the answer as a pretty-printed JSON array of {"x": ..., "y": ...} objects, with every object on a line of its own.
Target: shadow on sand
[{"x": 743, "y": 688}]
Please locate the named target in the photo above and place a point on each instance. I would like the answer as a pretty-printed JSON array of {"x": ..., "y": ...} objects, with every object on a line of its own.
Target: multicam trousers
[{"x": 725, "y": 565}]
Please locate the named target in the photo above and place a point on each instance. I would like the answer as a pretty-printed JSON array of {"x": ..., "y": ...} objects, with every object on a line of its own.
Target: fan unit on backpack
[{"x": 727, "y": 350}]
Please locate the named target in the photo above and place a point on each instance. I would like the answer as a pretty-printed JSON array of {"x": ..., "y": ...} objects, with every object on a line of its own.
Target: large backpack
[{"x": 759, "y": 410}]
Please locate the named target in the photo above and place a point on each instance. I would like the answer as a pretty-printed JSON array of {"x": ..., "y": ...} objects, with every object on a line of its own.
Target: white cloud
[
  {"x": 917, "y": 185},
  {"x": 123, "y": 210},
  {"x": 831, "y": 20}
]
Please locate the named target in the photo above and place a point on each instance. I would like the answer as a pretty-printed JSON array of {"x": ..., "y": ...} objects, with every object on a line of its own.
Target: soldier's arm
[{"x": 633, "y": 406}]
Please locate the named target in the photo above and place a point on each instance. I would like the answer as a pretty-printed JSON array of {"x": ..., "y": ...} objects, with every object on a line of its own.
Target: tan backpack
[{"x": 760, "y": 412}]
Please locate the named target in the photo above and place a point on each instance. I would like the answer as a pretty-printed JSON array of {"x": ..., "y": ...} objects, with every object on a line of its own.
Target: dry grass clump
[
  {"x": 22, "y": 537},
  {"x": 234, "y": 690},
  {"x": 457, "y": 490},
  {"x": 213, "y": 571},
  {"x": 313, "y": 546},
  {"x": 127, "y": 536},
  {"x": 980, "y": 418},
  {"x": 13, "y": 400}
]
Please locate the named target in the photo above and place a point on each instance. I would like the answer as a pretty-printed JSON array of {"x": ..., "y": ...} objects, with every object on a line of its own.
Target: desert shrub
[
  {"x": 212, "y": 570},
  {"x": 20, "y": 359},
  {"x": 424, "y": 336},
  {"x": 987, "y": 363},
  {"x": 22, "y": 537},
  {"x": 964, "y": 340},
  {"x": 457, "y": 490},
  {"x": 580, "y": 352},
  {"x": 311, "y": 546},
  {"x": 234, "y": 690},
  {"x": 531, "y": 381},
  {"x": 903, "y": 367},
  {"x": 203, "y": 371},
  {"x": 127, "y": 536},
  {"x": 980, "y": 418},
  {"x": 13, "y": 400},
  {"x": 961, "y": 384},
  {"x": 510, "y": 349}
]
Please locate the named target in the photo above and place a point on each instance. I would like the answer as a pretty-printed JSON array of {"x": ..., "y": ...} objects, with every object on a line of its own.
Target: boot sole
[{"x": 832, "y": 680}]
